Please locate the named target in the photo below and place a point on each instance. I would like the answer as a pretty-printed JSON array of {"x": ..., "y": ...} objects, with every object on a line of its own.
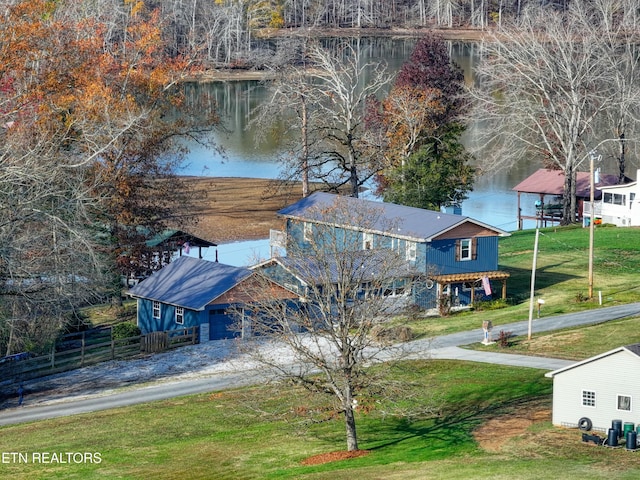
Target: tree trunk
[
  {"x": 350, "y": 424},
  {"x": 305, "y": 147},
  {"x": 568, "y": 199},
  {"x": 622, "y": 148}
]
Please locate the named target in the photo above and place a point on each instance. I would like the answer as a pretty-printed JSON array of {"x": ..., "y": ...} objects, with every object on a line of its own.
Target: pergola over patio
[{"x": 474, "y": 278}]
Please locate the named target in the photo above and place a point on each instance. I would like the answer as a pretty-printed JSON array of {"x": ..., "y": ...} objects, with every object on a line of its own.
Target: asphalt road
[{"x": 445, "y": 347}]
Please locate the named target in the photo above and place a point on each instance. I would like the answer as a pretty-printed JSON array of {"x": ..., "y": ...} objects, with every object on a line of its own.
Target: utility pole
[
  {"x": 533, "y": 282},
  {"x": 592, "y": 220}
]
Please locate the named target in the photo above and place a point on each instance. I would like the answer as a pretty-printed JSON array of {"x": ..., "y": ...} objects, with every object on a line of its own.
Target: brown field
[{"x": 231, "y": 209}]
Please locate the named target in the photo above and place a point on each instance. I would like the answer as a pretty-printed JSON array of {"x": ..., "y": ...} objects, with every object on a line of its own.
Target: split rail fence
[{"x": 81, "y": 349}]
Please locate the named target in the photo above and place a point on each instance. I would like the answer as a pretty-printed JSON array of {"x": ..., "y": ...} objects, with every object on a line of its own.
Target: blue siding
[
  {"x": 435, "y": 258},
  {"x": 167, "y": 320},
  {"x": 442, "y": 256}
]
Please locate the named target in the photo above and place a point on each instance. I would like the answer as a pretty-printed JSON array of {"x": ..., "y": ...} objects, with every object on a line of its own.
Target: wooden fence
[{"x": 88, "y": 348}]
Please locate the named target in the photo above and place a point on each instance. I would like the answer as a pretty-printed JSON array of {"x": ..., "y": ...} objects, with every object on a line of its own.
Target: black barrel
[
  {"x": 612, "y": 437},
  {"x": 617, "y": 425},
  {"x": 632, "y": 440}
]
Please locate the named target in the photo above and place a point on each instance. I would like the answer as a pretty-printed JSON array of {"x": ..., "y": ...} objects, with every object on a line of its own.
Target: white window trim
[
  {"x": 307, "y": 231},
  {"x": 180, "y": 315},
  {"x": 156, "y": 309},
  {"x": 395, "y": 244},
  {"x": 367, "y": 240},
  {"x": 582, "y": 398},
  {"x": 469, "y": 242},
  {"x": 630, "y": 409},
  {"x": 411, "y": 250}
]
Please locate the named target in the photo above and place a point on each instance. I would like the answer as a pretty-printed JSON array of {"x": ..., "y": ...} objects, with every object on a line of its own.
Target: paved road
[{"x": 445, "y": 347}]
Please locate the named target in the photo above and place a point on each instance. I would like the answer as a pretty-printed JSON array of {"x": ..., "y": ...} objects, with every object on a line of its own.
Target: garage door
[{"x": 221, "y": 325}]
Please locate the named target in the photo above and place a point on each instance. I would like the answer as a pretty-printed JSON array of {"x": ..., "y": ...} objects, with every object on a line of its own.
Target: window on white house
[
  {"x": 615, "y": 198},
  {"x": 367, "y": 241},
  {"x": 307, "y": 231},
  {"x": 624, "y": 403},
  {"x": 588, "y": 398},
  {"x": 465, "y": 249},
  {"x": 156, "y": 309},
  {"x": 180, "y": 315}
]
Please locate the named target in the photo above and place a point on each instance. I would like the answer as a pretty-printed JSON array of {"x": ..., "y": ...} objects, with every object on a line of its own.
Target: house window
[
  {"x": 588, "y": 398},
  {"x": 465, "y": 249},
  {"x": 307, "y": 231},
  {"x": 156, "y": 309},
  {"x": 395, "y": 244},
  {"x": 411, "y": 251},
  {"x": 180, "y": 315},
  {"x": 367, "y": 241},
  {"x": 624, "y": 403},
  {"x": 614, "y": 198}
]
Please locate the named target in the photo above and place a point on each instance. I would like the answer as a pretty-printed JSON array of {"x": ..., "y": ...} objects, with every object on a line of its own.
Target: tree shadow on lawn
[
  {"x": 439, "y": 437},
  {"x": 546, "y": 276}
]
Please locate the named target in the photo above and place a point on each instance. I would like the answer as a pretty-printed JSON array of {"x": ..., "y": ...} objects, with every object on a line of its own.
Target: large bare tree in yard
[
  {"x": 545, "y": 84},
  {"x": 347, "y": 293}
]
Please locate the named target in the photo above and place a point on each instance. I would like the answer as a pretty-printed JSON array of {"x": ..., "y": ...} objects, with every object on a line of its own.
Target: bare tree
[
  {"x": 343, "y": 85},
  {"x": 346, "y": 293},
  {"x": 543, "y": 87}
]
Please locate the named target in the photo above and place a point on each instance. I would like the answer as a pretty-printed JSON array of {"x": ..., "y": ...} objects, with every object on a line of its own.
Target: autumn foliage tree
[
  {"x": 419, "y": 125},
  {"x": 86, "y": 130}
]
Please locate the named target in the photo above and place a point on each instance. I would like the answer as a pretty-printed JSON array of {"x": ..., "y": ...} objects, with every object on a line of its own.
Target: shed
[
  {"x": 550, "y": 183},
  {"x": 192, "y": 292},
  {"x": 599, "y": 389}
]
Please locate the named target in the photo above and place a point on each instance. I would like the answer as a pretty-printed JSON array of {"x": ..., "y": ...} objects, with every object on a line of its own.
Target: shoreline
[{"x": 240, "y": 74}]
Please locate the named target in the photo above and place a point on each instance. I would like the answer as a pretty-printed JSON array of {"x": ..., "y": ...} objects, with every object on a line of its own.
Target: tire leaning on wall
[{"x": 585, "y": 424}]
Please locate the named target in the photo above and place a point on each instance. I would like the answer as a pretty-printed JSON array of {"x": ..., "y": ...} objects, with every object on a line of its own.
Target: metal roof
[
  {"x": 411, "y": 223},
  {"x": 551, "y": 182},
  {"x": 180, "y": 236},
  {"x": 190, "y": 282}
]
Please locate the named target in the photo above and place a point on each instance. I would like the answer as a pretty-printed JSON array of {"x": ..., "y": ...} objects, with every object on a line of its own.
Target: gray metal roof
[
  {"x": 190, "y": 282},
  {"x": 409, "y": 222}
]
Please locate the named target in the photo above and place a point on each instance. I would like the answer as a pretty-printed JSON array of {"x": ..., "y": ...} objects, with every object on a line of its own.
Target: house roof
[
  {"x": 178, "y": 236},
  {"x": 190, "y": 282},
  {"x": 412, "y": 223},
  {"x": 551, "y": 182},
  {"x": 633, "y": 349}
]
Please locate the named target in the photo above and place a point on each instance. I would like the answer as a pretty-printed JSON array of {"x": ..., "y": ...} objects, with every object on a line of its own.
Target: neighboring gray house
[{"x": 598, "y": 390}]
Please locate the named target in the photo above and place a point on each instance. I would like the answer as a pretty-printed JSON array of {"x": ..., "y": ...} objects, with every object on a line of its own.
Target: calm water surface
[{"x": 492, "y": 200}]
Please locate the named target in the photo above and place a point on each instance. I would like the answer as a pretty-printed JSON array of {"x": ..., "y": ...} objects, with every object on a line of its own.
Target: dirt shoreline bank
[{"x": 232, "y": 208}]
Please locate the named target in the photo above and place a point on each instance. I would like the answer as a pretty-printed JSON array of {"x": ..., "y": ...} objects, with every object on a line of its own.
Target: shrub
[
  {"x": 504, "y": 339},
  {"x": 391, "y": 334},
  {"x": 125, "y": 330}
]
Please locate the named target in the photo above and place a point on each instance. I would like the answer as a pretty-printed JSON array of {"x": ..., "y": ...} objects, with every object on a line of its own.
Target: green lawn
[
  {"x": 265, "y": 432},
  {"x": 561, "y": 277}
]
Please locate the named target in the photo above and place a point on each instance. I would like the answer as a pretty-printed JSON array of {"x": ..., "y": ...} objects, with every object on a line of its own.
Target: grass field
[{"x": 484, "y": 421}]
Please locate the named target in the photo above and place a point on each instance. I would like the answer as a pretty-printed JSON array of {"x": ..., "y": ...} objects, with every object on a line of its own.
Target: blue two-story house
[{"x": 457, "y": 255}]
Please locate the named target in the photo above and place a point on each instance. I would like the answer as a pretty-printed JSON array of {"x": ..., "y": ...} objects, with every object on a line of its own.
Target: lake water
[{"x": 492, "y": 201}]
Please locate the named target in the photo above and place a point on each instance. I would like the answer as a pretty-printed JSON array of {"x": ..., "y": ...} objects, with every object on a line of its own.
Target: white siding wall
[{"x": 609, "y": 377}]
